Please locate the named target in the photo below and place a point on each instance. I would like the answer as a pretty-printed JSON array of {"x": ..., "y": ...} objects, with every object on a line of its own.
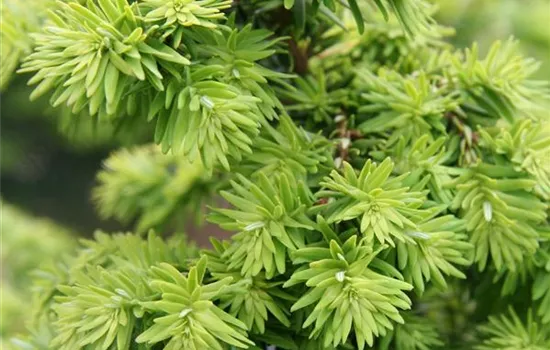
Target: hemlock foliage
[{"x": 385, "y": 190}]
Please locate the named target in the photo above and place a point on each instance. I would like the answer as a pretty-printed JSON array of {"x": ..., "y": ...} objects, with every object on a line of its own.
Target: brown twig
[
  {"x": 300, "y": 55},
  {"x": 346, "y": 135},
  {"x": 469, "y": 139}
]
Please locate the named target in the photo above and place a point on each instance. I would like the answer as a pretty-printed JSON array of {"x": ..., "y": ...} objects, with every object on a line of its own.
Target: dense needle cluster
[{"x": 373, "y": 176}]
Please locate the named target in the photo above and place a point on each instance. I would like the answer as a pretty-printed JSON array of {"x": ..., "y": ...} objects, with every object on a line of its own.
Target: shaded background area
[
  {"x": 49, "y": 173},
  {"x": 485, "y": 21},
  {"x": 45, "y": 174}
]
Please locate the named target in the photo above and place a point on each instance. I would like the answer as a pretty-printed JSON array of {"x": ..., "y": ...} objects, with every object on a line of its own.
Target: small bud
[
  {"x": 339, "y": 118},
  {"x": 487, "y": 211},
  {"x": 122, "y": 292},
  {"x": 418, "y": 234},
  {"x": 207, "y": 102},
  {"x": 340, "y": 276},
  {"x": 345, "y": 143},
  {"x": 54, "y": 30},
  {"x": 337, "y": 162},
  {"x": 184, "y": 312},
  {"x": 254, "y": 226}
]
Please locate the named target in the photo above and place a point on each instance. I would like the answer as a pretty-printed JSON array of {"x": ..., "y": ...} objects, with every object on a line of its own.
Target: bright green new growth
[
  {"x": 191, "y": 320},
  {"x": 112, "y": 297},
  {"x": 347, "y": 294},
  {"x": 385, "y": 190},
  {"x": 270, "y": 221},
  {"x": 172, "y": 16},
  {"x": 252, "y": 297},
  {"x": 490, "y": 209},
  {"x": 93, "y": 54},
  {"x": 383, "y": 206}
]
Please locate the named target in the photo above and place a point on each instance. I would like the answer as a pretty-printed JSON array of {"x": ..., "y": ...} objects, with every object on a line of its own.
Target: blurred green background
[
  {"x": 48, "y": 171},
  {"x": 485, "y": 21}
]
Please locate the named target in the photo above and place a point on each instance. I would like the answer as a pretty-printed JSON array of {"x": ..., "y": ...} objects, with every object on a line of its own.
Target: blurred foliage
[
  {"x": 27, "y": 243},
  {"x": 19, "y": 19},
  {"x": 145, "y": 185},
  {"x": 485, "y": 21}
]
